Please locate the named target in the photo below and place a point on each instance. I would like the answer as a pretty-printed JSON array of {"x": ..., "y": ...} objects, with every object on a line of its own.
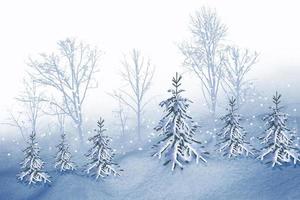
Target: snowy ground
[{"x": 145, "y": 178}]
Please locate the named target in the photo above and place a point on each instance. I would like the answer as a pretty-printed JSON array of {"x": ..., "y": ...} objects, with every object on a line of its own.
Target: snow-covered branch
[
  {"x": 232, "y": 137},
  {"x": 177, "y": 130},
  {"x": 100, "y": 155},
  {"x": 277, "y": 141},
  {"x": 32, "y": 166}
]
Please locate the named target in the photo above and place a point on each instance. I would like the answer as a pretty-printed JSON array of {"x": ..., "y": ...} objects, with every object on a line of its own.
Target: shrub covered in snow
[
  {"x": 32, "y": 166},
  {"x": 232, "y": 136},
  {"x": 63, "y": 157},
  {"x": 177, "y": 129},
  {"x": 278, "y": 140},
  {"x": 100, "y": 155}
]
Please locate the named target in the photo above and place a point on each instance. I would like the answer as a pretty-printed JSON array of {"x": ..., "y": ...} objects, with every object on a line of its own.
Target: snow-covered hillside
[{"x": 146, "y": 178}]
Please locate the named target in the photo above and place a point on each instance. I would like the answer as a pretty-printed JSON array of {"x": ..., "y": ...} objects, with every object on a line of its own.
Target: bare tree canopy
[
  {"x": 238, "y": 64},
  {"x": 32, "y": 99},
  {"x": 204, "y": 54},
  {"x": 24, "y": 116},
  {"x": 138, "y": 74},
  {"x": 70, "y": 72}
]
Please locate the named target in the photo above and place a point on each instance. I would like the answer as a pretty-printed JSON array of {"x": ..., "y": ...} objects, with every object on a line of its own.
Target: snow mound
[{"x": 146, "y": 178}]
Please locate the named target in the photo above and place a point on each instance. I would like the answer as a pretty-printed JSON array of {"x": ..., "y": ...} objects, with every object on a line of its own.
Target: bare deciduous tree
[
  {"x": 32, "y": 99},
  {"x": 16, "y": 120},
  {"x": 238, "y": 63},
  {"x": 120, "y": 113},
  {"x": 31, "y": 102},
  {"x": 138, "y": 74},
  {"x": 70, "y": 72},
  {"x": 204, "y": 55}
]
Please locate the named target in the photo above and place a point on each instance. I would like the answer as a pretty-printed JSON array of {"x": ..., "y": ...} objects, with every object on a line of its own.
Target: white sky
[{"x": 30, "y": 27}]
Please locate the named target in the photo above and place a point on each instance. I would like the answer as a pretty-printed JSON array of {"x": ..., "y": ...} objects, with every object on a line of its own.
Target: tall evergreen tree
[
  {"x": 100, "y": 155},
  {"x": 63, "y": 157},
  {"x": 178, "y": 129},
  {"x": 278, "y": 140},
  {"x": 232, "y": 136},
  {"x": 32, "y": 166}
]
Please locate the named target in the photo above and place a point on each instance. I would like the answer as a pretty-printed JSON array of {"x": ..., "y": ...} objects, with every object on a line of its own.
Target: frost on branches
[
  {"x": 178, "y": 129},
  {"x": 63, "y": 157},
  {"x": 278, "y": 140},
  {"x": 100, "y": 155},
  {"x": 32, "y": 166},
  {"x": 232, "y": 137}
]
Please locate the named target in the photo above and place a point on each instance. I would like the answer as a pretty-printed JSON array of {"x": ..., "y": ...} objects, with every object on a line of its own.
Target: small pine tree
[
  {"x": 232, "y": 136},
  {"x": 278, "y": 140},
  {"x": 32, "y": 166},
  {"x": 100, "y": 155},
  {"x": 178, "y": 129},
  {"x": 63, "y": 157}
]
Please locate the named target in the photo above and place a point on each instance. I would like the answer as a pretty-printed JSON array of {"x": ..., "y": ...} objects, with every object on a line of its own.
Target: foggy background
[{"x": 156, "y": 28}]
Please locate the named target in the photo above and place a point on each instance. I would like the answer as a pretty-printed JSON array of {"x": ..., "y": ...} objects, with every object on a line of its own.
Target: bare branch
[
  {"x": 238, "y": 63},
  {"x": 70, "y": 72},
  {"x": 138, "y": 74},
  {"x": 203, "y": 55}
]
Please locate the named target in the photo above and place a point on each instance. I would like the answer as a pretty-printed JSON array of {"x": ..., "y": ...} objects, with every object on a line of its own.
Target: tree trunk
[
  {"x": 139, "y": 122},
  {"x": 79, "y": 129},
  {"x": 238, "y": 95},
  {"x": 213, "y": 105}
]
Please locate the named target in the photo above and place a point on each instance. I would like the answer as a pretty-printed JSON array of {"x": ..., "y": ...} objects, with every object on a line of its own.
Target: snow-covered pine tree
[
  {"x": 278, "y": 140},
  {"x": 232, "y": 135},
  {"x": 178, "y": 129},
  {"x": 32, "y": 166},
  {"x": 100, "y": 155},
  {"x": 63, "y": 157}
]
